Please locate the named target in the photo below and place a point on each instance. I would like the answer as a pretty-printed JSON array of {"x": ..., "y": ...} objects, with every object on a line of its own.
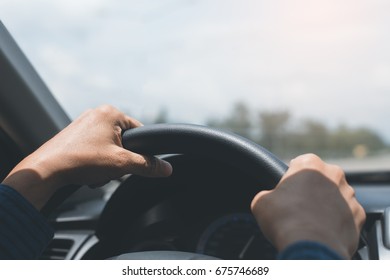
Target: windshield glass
[{"x": 295, "y": 76}]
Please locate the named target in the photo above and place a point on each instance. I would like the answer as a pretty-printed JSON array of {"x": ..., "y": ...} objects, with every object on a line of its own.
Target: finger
[
  {"x": 120, "y": 119},
  {"x": 127, "y": 122},
  {"x": 306, "y": 161},
  {"x": 259, "y": 198},
  {"x": 336, "y": 174},
  {"x": 148, "y": 166},
  {"x": 360, "y": 215},
  {"x": 302, "y": 163}
]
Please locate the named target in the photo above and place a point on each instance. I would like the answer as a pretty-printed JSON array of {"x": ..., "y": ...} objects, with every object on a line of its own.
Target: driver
[{"x": 311, "y": 214}]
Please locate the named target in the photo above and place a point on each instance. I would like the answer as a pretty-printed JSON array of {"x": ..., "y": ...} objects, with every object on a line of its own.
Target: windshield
[{"x": 295, "y": 76}]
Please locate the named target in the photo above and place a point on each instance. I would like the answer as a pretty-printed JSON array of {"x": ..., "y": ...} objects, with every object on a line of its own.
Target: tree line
[{"x": 278, "y": 132}]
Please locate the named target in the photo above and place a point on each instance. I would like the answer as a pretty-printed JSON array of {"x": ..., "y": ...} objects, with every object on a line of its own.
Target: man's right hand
[{"x": 312, "y": 202}]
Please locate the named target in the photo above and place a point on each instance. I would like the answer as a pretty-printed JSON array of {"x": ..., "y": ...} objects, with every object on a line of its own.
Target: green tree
[
  {"x": 238, "y": 121},
  {"x": 344, "y": 140},
  {"x": 310, "y": 136},
  {"x": 273, "y": 125},
  {"x": 286, "y": 139}
]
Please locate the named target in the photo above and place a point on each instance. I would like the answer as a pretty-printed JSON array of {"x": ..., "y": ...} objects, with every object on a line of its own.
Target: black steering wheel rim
[{"x": 208, "y": 142}]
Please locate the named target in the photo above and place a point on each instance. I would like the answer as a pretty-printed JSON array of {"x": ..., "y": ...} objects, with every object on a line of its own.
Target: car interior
[{"x": 202, "y": 208}]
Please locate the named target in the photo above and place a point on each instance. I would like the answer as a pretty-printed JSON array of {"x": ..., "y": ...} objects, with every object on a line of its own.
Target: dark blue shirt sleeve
[
  {"x": 308, "y": 250},
  {"x": 24, "y": 232}
]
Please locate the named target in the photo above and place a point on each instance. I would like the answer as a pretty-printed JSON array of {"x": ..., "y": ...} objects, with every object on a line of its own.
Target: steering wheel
[{"x": 207, "y": 142}]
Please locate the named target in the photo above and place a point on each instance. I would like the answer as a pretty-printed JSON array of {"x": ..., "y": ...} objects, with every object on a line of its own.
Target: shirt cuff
[
  {"x": 24, "y": 231},
  {"x": 308, "y": 250}
]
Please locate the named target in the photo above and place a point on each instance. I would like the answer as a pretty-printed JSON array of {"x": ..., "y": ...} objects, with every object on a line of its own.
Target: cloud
[
  {"x": 327, "y": 60},
  {"x": 380, "y": 76}
]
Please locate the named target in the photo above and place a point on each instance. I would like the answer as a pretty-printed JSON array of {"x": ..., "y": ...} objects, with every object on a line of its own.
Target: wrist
[{"x": 34, "y": 180}]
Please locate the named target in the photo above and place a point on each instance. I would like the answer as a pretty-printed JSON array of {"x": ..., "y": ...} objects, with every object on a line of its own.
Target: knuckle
[
  {"x": 308, "y": 160},
  {"x": 360, "y": 215},
  {"x": 106, "y": 109},
  {"x": 352, "y": 191},
  {"x": 105, "y": 113},
  {"x": 338, "y": 170},
  {"x": 363, "y": 215},
  {"x": 260, "y": 199},
  {"x": 338, "y": 174}
]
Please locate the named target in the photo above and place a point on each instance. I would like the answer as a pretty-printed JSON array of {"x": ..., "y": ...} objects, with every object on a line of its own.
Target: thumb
[{"x": 148, "y": 166}]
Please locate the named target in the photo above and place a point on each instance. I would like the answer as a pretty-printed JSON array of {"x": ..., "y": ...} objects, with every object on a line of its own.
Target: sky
[{"x": 326, "y": 60}]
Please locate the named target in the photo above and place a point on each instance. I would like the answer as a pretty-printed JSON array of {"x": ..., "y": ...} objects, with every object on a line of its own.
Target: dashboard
[
  {"x": 235, "y": 236},
  {"x": 202, "y": 208}
]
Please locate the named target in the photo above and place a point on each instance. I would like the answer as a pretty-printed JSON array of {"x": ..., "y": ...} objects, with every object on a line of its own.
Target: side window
[{"x": 9, "y": 154}]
